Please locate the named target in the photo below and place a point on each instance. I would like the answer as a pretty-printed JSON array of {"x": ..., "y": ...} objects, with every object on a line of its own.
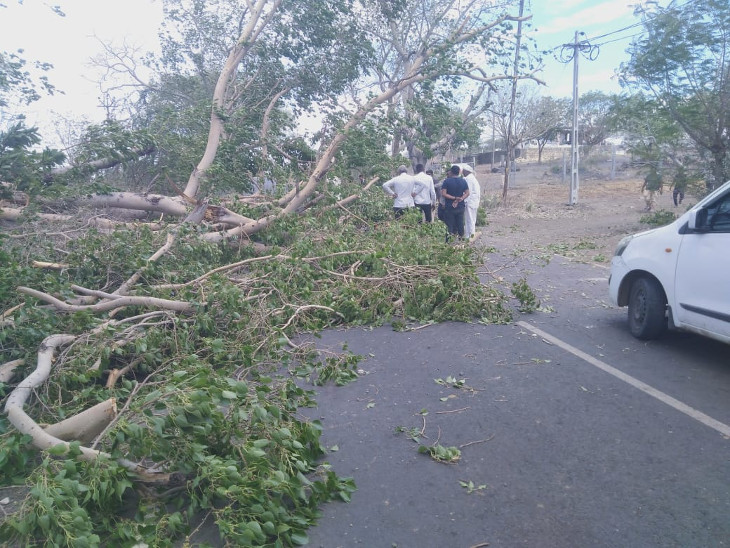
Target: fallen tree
[
  {"x": 187, "y": 326},
  {"x": 204, "y": 394}
]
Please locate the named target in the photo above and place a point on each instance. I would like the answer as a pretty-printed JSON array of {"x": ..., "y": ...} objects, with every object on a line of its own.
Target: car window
[{"x": 718, "y": 215}]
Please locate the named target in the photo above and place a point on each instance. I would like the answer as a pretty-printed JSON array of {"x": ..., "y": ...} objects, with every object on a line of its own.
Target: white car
[{"x": 678, "y": 276}]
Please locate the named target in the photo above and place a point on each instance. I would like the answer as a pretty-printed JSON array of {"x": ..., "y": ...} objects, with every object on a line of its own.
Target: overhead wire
[{"x": 590, "y": 50}]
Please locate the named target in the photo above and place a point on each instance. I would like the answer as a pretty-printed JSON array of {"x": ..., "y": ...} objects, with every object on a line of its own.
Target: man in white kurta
[
  {"x": 472, "y": 202},
  {"x": 400, "y": 188},
  {"x": 425, "y": 198}
]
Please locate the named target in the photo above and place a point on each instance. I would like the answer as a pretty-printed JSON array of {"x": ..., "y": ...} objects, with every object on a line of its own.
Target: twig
[
  {"x": 9, "y": 311},
  {"x": 490, "y": 438},
  {"x": 452, "y": 411},
  {"x": 202, "y": 522},
  {"x": 116, "y": 419},
  {"x": 126, "y": 286},
  {"x": 429, "y": 324},
  {"x": 290, "y": 343},
  {"x": 44, "y": 264},
  {"x": 114, "y": 374},
  {"x": 342, "y": 206}
]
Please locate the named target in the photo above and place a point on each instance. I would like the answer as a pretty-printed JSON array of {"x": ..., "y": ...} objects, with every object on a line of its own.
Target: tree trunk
[{"x": 256, "y": 23}]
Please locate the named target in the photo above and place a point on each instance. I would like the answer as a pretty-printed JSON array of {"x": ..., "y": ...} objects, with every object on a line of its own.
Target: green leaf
[
  {"x": 300, "y": 539},
  {"x": 58, "y": 450}
]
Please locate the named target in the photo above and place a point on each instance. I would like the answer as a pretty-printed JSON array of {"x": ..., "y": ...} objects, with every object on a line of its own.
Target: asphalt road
[{"x": 571, "y": 432}]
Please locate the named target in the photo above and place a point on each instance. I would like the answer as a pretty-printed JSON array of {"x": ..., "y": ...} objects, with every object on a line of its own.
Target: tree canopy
[{"x": 683, "y": 61}]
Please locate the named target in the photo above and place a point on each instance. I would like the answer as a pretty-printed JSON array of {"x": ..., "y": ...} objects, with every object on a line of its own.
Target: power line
[
  {"x": 643, "y": 23},
  {"x": 628, "y": 27}
]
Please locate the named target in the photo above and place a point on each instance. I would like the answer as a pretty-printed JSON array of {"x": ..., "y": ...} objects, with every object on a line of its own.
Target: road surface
[{"x": 571, "y": 432}]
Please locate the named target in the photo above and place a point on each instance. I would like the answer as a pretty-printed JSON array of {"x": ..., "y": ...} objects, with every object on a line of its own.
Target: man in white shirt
[
  {"x": 472, "y": 202},
  {"x": 425, "y": 198},
  {"x": 401, "y": 189}
]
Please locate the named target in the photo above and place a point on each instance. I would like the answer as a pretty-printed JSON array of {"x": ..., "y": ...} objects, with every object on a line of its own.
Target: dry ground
[{"x": 538, "y": 220}]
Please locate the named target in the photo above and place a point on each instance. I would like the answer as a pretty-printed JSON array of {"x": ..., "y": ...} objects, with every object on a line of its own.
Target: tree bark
[
  {"x": 43, "y": 440},
  {"x": 7, "y": 370},
  {"x": 87, "y": 425},
  {"x": 96, "y": 165}
]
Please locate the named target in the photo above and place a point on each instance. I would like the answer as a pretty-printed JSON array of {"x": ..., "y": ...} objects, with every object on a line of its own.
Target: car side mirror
[{"x": 697, "y": 221}]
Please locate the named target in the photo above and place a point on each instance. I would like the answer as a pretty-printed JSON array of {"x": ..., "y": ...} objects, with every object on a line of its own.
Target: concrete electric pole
[{"x": 574, "y": 148}]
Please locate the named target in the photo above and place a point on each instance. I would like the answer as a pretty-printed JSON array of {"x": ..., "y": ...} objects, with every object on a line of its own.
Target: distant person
[
  {"x": 440, "y": 199},
  {"x": 679, "y": 184},
  {"x": 652, "y": 184},
  {"x": 425, "y": 198},
  {"x": 455, "y": 190},
  {"x": 401, "y": 189},
  {"x": 472, "y": 202}
]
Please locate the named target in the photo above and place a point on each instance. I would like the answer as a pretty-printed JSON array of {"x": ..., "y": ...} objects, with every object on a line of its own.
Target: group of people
[{"x": 456, "y": 198}]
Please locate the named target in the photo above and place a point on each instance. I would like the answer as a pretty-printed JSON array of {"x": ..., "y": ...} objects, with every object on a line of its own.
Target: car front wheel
[{"x": 647, "y": 309}]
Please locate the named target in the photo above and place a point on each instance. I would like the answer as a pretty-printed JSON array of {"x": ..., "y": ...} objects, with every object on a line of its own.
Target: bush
[{"x": 658, "y": 218}]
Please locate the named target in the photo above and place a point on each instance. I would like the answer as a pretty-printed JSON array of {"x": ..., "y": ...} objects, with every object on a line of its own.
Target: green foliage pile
[
  {"x": 211, "y": 397},
  {"x": 660, "y": 217}
]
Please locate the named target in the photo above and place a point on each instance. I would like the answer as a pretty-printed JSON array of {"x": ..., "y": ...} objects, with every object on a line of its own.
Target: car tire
[{"x": 647, "y": 309}]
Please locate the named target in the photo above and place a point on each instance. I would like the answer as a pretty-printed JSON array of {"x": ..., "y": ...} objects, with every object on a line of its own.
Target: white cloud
[{"x": 583, "y": 17}]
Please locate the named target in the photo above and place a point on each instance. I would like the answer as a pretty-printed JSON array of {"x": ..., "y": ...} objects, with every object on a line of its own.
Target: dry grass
[{"x": 536, "y": 217}]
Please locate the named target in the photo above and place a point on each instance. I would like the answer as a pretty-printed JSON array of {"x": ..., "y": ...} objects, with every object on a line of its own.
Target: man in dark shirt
[{"x": 455, "y": 190}]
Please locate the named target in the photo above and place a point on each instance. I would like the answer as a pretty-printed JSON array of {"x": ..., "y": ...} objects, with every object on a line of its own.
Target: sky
[
  {"x": 555, "y": 23},
  {"x": 69, "y": 42}
]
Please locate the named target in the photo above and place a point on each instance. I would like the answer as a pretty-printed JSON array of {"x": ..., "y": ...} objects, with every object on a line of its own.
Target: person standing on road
[
  {"x": 425, "y": 198},
  {"x": 455, "y": 190},
  {"x": 652, "y": 184},
  {"x": 472, "y": 202},
  {"x": 679, "y": 182},
  {"x": 401, "y": 189}
]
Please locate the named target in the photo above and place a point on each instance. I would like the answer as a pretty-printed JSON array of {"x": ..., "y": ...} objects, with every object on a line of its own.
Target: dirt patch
[{"x": 537, "y": 218}]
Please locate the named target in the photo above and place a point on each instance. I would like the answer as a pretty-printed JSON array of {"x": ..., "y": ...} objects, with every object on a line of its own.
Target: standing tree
[
  {"x": 441, "y": 113},
  {"x": 535, "y": 117},
  {"x": 648, "y": 133},
  {"x": 552, "y": 117},
  {"x": 683, "y": 60},
  {"x": 593, "y": 119}
]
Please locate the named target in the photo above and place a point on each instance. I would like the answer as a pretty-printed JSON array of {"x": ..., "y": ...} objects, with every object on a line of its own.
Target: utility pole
[
  {"x": 492, "y": 142},
  {"x": 574, "y": 148},
  {"x": 510, "y": 148}
]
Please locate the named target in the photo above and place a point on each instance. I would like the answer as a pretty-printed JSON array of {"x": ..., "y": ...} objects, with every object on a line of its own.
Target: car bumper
[{"x": 619, "y": 270}]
